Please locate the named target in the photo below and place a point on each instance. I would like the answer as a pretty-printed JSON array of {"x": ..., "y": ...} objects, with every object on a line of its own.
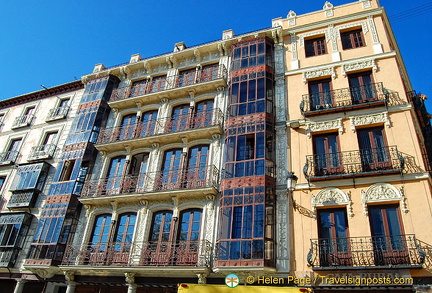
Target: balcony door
[
  {"x": 188, "y": 237},
  {"x": 179, "y": 118},
  {"x": 334, "y": 247},
  {"x": 374, "y": 152},
  {"x": 361, "y": 87},
  {"x": 203, "y": 114},
  {"x": 127, "y": 127},
  {"x": 197, "y": 166},
  {"x": 98, "y": 246},
  {"x": 320, "y": 94},
  {"x": 123, "y": 238},
  {"x": 137, "y": 171},
  {"x": 148, "y": 123},
  {"x": 115, "y": 175},
  {"x": 160, "y": 247},
  {"x": 388, "y": 240},
  {"x": 172, "y": 170},
  {"x": 327, "y": 158}
]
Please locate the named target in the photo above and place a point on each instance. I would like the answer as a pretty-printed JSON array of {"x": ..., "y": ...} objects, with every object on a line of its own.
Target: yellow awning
[{"x": 206, "y": 288}]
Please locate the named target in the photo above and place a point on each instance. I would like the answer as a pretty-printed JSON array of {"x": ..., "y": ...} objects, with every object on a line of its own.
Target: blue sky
[{"x": 53, "y": 42}]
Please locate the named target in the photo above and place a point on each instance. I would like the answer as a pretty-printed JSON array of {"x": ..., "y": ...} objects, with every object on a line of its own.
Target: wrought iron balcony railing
[
  {"x": 340, "y": 99},
  {"x": 161, "y": 126},
  {"x": 351, "y": 163},
  {"x": 181, "y": 253},
  {"x": 45, "y": 151},
  {"x": 20, "y": 199},
  {"x": 171, "y": 82},
  {"x": 192, "y": 178},
  {"x": 366, "y": 252},
  {"x": 22, "y": 121},
  {"x": 8, "y": 157},
  {"x": 57, "y": 113}
]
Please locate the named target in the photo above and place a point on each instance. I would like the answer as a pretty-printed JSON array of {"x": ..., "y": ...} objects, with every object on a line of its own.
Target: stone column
[
  {"x": 71, "y": 285},
  {"x": 130, "y": 282},
  {"x": 19, "y": 287}
]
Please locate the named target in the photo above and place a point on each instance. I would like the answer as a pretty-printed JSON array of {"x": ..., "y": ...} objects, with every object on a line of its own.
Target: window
[
  {"x": 320, "y": 94},
  {"x": 115, "y": 174},
  {"x": 148, "y": 123},
  {"x": 127, "y": 127},
  {"x": 2, "y": 182},
  {"x": 327, "y": 158},
  {"x": 124, "y": 234},
  {"x": 187, "y": 77},
  {"x": 361, "y": 87},
  {"x": 2, "y": 117},
  {"x": 66, "y": 171},
  {"x": 172, "y": 167},
  {"x": 352, "y": 39},
  {"x": 47, "y": 147},
  {"x": 333, "y": 234},
  {"x": 137, "y": 170},
  {"x": 13, "y": 229},
  {"x": 100, "y": 235},
  {"x": 374, "y": 152},
  {"x": 387, "y": 235},
  {"x": 30, "y": 177},
  {"x": 157, "y": 84},
  {"x": 167, "y": 248},
  {"x": 254, "y": 95},
  {"x": 252, "y": 53},
  {"x": 197, "y": 166},
  {"x": 138, "y": 88},
  {"x": 315, "y": 46},
  {"x": 180, "y": 118},
  {"x": 203, "y": 114}
]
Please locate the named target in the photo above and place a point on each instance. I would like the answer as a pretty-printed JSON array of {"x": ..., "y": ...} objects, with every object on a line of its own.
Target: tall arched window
[
  {"x": 101, "y": 231},
  {"x": 115, "y": 174},
  {"x": 137, "y": 171},
  {"x": 124, "y": 234},
  {"x": 172, "y": 169},
  {"x": 197, "y": 166},
  {"x": 127, "y": 127},
  {"x": 179, "y": 118},
  {"x": 203, "y": 114},
  {"x": 148, "y": 123}
]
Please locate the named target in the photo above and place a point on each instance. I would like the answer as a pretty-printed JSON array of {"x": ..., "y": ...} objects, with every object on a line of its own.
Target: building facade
[{"x": 275, "y": 153}]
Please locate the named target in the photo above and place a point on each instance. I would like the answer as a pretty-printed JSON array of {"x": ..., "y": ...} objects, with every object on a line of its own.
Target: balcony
[
  {"x": 371, "y": 95},
  {"x": 57, "y": 113},
  {"x": 22, "y": 199},
  {"x": 172, "y": 181},
  {"x": 399, "y": 251},
  {"x": 42, "y": 152},
  {"x": 8, "y": 158},
  {"x": 164, "y": 130},
  {"x": 386, "y": 160},
  {"x": 169, "y": 87},
  {"x": 22, "y": 121},
  {"x": 165, "y": 254}
]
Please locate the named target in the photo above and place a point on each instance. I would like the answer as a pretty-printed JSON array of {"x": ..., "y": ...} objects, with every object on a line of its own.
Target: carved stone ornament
[
  {"x": 369, "y": 119},
  {"x": 366, "y": 3},
  {"x": 332, "y": 196},
  {"x": 363, "y": 25},
  {"x": 323, "y": 126},
  {"x": 322, "y": 32},
  {"x": 359, "y": 65},
  {"x": 382, "y": 192},
  {"x": 291, "y": 18},
  {"x": 319, "y": 72},
  {"x": 328, "y": 9}
]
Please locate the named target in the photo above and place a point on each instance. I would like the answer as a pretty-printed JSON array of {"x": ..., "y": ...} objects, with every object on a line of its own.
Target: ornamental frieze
[
  {"x": 323, "y": 126},
  {"x": 359, "y": 65},
  {"x": 369, "y": 119},
  {"x": 331, "y": 196},
  {"x": 328, "y": 71}
]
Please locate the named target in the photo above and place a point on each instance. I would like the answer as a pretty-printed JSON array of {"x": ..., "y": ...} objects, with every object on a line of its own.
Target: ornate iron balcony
[
  {"x": 192, "y": 178},
  {"x": 352, "y": 163},
  {"x": 57, "y": 113},
  {"x": 20, "y": 199},
  {"x": 45, "y": 151},
  {"x": 370, "y": 95},
  {"x": 9, "y": 157},
  {"x": 182, "y": 253},
  {"x": 165, "y": 83},
  {"x": 22, "y": 121},
  {"x": 161, "y": 126},
  {"x": 396, "y": 251}
]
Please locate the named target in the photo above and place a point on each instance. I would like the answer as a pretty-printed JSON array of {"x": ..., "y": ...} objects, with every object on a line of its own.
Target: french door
[
  {"x": 180, "y": 118},
  {"x": 327, "y": 158},
  {"x": 361, "y": 87},
  {"x": 388, "y": 240},
  {"x": 115, "y": 175},
  {"x": 197, "y": 169},
  {"x": 320, "y": 95},
  {"x": 148, "y": 123},
  {"x": 127, "y": 127},
  {"x": 203, "y": 114},
  {"x": 172, "y": 170},
  {"x": 334, "y": 247},
  {"x": 374, "y": 152}
]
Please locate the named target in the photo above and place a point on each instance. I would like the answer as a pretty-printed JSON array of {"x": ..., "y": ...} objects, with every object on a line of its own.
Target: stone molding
[
  {"x": 369, "y": 119},
  {"x": 383, "y": 192},
  {"x": 323, "y": 126},
  {"x": 332, "y": 196},
  {"x": 359, "y": 65},
  {"x": 319, "y": 72}
]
